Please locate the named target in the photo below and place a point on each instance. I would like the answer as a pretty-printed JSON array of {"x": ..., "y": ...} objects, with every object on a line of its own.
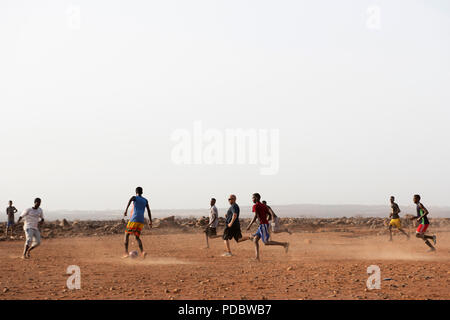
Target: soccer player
[
  {"x": 136, "y": 223},
  {"x": 261, "y": 213},
  {"x": 211, "y": 228},
  {"x": 422, "y": 218},
  {"x": 233, "y": 227},
  {"x": 33, "y": 219},
  {"x": 395, "y": 219},
  {"x": 275, "y": 221},
  {"x": 10, "y": 211}
]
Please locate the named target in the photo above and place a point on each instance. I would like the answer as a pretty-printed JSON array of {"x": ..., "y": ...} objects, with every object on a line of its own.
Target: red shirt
[{"x": 262, "y": 212}]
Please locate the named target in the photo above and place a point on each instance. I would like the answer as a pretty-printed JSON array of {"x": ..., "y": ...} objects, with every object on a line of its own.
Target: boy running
[
  {"x": 233, "y": 227},
  {"x": 395, "y": 219},
  {"x": 422, "y": 218},
  {"x": 136, "y": 223},
  {"x": 275, "y": 221},
  {"x": 211, "y": 228},
  {"x": 33, "y": 218},
  {"x": 10, "y": 211},
  {"x": 261, "y": 213}
]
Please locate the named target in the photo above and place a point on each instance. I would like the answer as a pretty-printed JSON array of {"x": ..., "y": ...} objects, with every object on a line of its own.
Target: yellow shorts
[
  {"x": 134, "y": 228},
  {"x": 396, "y": 223}
]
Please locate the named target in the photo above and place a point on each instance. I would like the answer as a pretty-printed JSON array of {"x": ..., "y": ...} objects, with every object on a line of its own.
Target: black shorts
[
  {"x": 233, "y": 232},
  {"x": 211, "y": 231}
]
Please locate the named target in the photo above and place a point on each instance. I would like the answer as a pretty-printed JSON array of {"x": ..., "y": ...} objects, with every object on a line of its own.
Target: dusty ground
[{"x": 332, "y": 266}]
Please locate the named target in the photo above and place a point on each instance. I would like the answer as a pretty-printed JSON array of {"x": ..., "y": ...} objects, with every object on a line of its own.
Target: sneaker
[
  {"x": 434, "y": 239},
  {"x": 227, "y": 254}
]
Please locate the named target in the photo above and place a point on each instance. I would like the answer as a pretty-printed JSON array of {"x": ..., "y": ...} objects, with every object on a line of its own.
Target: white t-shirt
[
  {"x": 214, "y": 214},
  {"x": 31, "y": 218}
]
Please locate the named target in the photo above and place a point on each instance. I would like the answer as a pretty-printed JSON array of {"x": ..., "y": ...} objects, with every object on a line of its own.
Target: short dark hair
[
  {"x": 257, "y": 196},
  {"x": 417, "y": 196},
  {"x": 264, "y": 201},
  {"x": 139, "y": 190},
  {"x": 213, "y": 199},
  {"x": 37, "y": 200}
]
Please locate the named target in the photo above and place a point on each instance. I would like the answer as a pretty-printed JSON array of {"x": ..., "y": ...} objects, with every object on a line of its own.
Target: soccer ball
[{"x": 133, "y": 254}]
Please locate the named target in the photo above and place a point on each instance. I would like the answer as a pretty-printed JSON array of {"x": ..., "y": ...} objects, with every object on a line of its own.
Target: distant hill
[{"x": 294, "y": 211}]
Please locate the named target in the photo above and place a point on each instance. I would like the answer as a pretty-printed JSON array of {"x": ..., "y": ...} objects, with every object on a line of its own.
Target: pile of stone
[{"x": 65, "y": 228}]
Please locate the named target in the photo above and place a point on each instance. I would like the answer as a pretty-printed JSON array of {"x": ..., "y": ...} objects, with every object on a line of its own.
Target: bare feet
[
  {"x": 286, "y": 247},
  {"x": 143, "y": 254},
  {"x": 125, "y": 255}
]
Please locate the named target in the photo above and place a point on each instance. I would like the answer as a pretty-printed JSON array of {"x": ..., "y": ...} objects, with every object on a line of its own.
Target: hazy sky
[{"x": 91, "y": 93}]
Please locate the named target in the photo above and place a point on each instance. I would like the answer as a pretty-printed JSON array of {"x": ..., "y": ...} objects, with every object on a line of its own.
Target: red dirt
[{"x": 332, "y": 266}]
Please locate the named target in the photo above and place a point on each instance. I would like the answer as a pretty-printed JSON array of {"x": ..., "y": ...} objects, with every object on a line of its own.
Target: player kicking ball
[
  {"x": 395, "y": 219},
  {"x": 261, "y": 213},
  {"x": 33, "y": 219},
  {"x": 422, "y": 218},
  {"x": 136, "y": 223}
]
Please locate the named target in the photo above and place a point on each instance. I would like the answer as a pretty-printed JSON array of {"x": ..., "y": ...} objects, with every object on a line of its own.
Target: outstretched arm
[
  {"x": 149, "y": 216},
  {"x": 252, "y": 222},
  {"x": 232, "y": 220},
  {"x": 211, "y": 223},
  {"x": 128, "y": 205},
  {"x": 425, "y": 212}
]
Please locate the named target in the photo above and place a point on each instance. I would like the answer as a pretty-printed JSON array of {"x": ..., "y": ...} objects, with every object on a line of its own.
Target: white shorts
[{"x": 32, "y": 234}]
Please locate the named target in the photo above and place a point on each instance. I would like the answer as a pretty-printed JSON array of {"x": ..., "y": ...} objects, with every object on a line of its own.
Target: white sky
[{"x": 87, "y": 114}]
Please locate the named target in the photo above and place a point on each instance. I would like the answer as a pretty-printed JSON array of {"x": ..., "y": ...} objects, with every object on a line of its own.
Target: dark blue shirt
[{"x": 233, "y": 209}]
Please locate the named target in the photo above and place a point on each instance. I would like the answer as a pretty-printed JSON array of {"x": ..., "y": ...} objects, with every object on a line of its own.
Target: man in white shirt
[
  {"x": 33, "y": 218},
  {"x": 211, "y": 228}
]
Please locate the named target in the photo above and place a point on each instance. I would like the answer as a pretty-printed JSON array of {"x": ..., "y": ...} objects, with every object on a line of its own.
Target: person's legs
[
  {"x": 28, "y": 240},
  {"x": 256, "y": 242},
  {"x": 404, "y": 232},
  {"x": 390, "y": 233},
  {"x": 141, "y": 247},
  {"x": 127, "y": 236},
  {"x": 227, "y": 246},
  {"x": 244, "y": 239},
  {"x": 36, "y": 241},
  {"x": 138, "y": 239},
  {"x": 207, "y": 243},
  {"x": 425, "y": 239}
]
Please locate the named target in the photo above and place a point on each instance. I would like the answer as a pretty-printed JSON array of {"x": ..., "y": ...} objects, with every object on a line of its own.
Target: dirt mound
[{"x": 65, "y": 228}]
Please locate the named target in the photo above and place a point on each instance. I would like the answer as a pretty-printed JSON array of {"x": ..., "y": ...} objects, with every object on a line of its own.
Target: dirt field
[{"x": 321, "y": 265}]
